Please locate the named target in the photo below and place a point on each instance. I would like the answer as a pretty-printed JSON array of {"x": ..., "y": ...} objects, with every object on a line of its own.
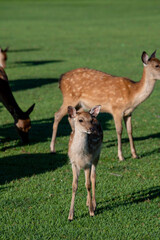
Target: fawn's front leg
[
  {"x": 76, "y": 172},
  {"x": 93, "y": 180},
  {"x": 88, "y": 187}
]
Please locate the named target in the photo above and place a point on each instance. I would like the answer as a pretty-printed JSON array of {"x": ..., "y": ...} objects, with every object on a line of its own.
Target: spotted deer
[
  {"x": 21, "y": 119},
  {"x": 84, "y": 151},
  {"x": 3, "y": 57},
  {"x": 118, "y": 96}
]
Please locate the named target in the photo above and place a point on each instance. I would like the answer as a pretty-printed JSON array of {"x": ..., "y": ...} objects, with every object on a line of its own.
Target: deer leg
[
  {"x": 88, "y": 187},
  {"x": 119, "y": 129},
  {"x": 76, "y": 172},
  {"x": 128, "y": 124},
  {"x": 57, "y": 118},
  {"x": 93, "y": 180}
]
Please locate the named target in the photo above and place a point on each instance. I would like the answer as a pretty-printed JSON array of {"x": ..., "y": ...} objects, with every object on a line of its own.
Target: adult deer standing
[
  {"x": 22, "y": 120},
  {"x": 84, "y": 151},
  {"x": 3, "y": 57},
  {"x": 118, "y": 96}
]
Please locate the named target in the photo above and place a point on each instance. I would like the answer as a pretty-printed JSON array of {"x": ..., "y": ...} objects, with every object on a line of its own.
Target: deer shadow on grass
[
  {"x": 23, "y": 50},
  {"x": 23, "y": 84},
  {"x": 111, "y": 143},
  {"x": 36, "y": 62},
  {"x": 45, "y": 126},
  {"x": 136, "y": 197},
  {"x": 27, "y": 165},
  {"x": 41, "y": 131}
]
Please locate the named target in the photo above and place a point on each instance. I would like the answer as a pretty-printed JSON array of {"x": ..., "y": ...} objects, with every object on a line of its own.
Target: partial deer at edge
[
  {"x": 84, "y": 151},
  {"x": 118, "y": 96},
  {"x": 21, "y": 119},
  {"x": 3, "y": 57}
]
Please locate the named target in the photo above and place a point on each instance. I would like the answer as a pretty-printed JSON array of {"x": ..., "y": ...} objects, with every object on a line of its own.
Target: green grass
[{"x": 46, "y": 39}]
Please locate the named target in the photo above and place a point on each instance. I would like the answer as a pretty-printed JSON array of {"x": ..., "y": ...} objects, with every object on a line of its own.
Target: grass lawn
[{"x": 46, "y": 39}]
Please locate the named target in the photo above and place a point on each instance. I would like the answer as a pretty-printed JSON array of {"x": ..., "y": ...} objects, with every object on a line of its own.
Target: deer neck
[
  {"x": 144, "y": 87},
  {"x": 7, "y": 98},
  {"x": 14, "y": 110},
  {"x": 80, "y": 141}
]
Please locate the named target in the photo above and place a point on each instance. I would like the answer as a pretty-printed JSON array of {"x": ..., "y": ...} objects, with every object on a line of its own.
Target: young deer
[
  {"x": 22, "y": 120},
  {"x": 84, "y": 151},
  {"x": 3, "y": 57},
  {"x": 118, "y": 96}
]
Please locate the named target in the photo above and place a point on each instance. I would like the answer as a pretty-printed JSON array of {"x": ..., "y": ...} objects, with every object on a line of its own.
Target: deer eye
[
  {"x": 157, "y": 66},
  {"x": 80, "y": 120}
]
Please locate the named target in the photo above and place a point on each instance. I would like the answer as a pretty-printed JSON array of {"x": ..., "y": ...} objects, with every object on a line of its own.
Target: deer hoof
[
  {"x": 70, "y": 217},
  {"x": 135, "y": 156},
  {"x": 121, "y": 159},
  {"x": 91, "y": 213}
]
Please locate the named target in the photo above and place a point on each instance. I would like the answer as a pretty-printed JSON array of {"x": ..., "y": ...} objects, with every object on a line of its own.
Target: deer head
[
  {"x": 84, "y": 121},
  {"x": 23, "y": 125},
  {"x": 152, "y": 65}
]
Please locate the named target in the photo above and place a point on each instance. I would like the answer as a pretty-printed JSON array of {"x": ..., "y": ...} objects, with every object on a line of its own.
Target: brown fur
[
  {"x": 3, "y": 57},
  {"x": 3, "y": 75}
]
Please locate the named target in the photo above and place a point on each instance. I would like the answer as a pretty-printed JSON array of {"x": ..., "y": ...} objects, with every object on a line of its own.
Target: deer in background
[
  {"x": 21, "y": 119},
  {"x": 84, "y": 151},
  {"x": 3, "y": 57},
  {"x": 118, "y": 96}
]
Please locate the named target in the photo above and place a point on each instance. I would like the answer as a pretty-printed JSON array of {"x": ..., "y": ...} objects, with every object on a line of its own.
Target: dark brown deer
[
  {"x": 21, "y": 119},
  {"x": 3, "y": 57},
  {"x": 118, "y": 96},
  {"x": 84, "y": 151}
]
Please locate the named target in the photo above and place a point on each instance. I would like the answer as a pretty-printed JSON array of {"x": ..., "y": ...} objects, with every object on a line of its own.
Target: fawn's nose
[{"x": 92, "y": 129}]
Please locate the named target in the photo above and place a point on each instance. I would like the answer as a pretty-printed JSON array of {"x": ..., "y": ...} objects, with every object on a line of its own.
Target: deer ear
[
  {"x": 153, "y": 55},
  {"x": 71, "y": 112},
  {"x": 144, "y": 58},
  {"x": 95, "y": 110},
  {"x": 28, "y": 112}
]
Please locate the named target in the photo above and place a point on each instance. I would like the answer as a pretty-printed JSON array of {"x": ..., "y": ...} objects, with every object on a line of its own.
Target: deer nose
[{"x": 92, "y": 129}]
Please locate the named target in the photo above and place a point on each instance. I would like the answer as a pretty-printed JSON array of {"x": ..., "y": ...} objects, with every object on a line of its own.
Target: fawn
[
  {"x": 3, "y": 57},
  {"x": 22, "y": 120},
  {"x": 118, "y": 96},
  {"x": 84, "y": 151}
]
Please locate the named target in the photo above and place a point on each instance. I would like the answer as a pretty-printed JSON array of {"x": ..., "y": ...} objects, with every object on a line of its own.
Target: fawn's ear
[
  {"x": 71, "y": 112},
  {"x": 153, "y": 55},
  {"x": 144, "y": 58},
  {"x": 95, "y": 110}
]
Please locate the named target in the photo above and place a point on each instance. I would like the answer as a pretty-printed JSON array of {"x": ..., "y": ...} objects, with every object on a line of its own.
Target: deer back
[{"x": 90, "y": 87}]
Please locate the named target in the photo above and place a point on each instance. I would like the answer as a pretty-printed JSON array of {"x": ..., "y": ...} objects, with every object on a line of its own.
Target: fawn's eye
[
  {"x": 80, "y": 120},
  {"x": 157, "y": 66}
]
